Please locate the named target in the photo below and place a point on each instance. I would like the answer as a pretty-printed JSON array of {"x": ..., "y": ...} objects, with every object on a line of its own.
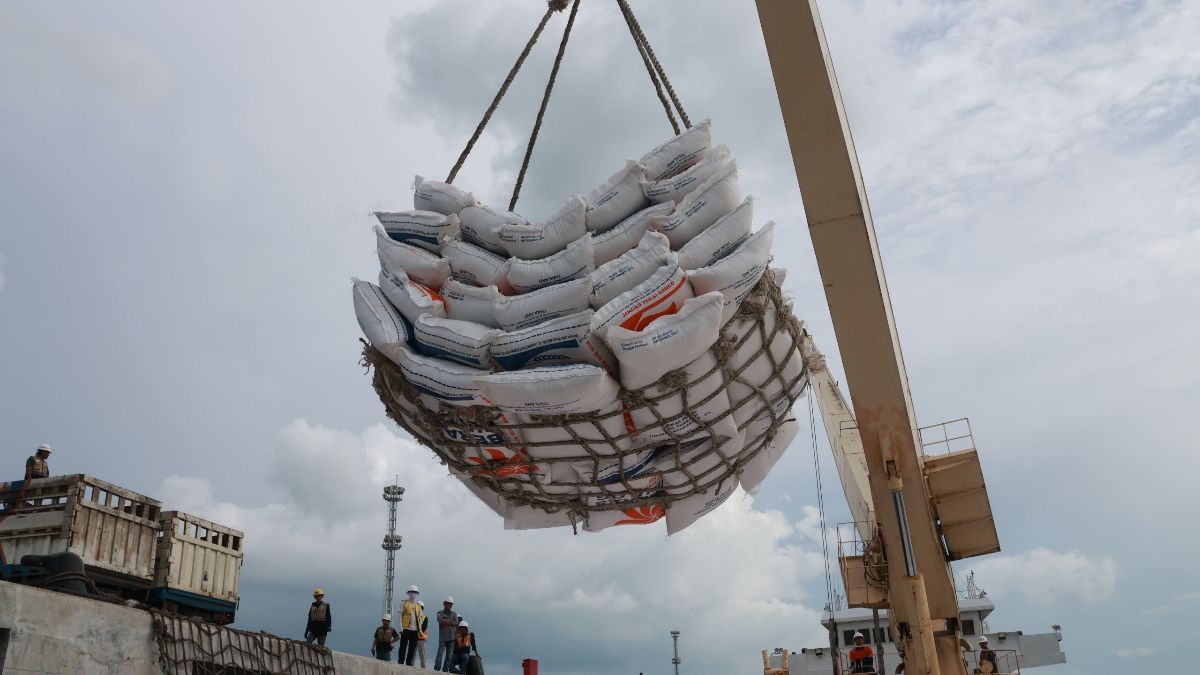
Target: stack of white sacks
[{"x": 638, "y": 278}]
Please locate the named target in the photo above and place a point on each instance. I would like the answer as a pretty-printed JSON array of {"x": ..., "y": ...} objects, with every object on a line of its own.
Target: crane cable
[
  {"x": 812, "y": 426},
  {"x": 658, "y": 77}
]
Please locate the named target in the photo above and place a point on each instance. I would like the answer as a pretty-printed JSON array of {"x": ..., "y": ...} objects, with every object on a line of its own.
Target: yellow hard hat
[{"x": 317, "y": 591}]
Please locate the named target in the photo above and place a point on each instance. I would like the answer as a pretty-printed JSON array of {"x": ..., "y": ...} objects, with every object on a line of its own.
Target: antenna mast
[
  {"x": 392, "y": 494},
  {"x": 675, "y": 639}
]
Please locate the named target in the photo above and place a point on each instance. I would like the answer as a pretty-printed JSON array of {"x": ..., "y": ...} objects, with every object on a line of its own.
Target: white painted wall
[{"x": 57, "y": 634}]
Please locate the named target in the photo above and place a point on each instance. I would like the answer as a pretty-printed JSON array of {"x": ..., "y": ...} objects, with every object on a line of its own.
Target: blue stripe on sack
[
  {"x": 431, "y": 350},
  {"x": 516, "y": 360},
  {"x": 632, "y": 471},
  {"x": 405, "y": 237},
  {"x": 438, "y": 394}
]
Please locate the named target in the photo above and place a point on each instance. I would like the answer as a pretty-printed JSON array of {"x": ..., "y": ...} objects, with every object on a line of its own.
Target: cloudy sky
[{"x": 186, "y": 191}]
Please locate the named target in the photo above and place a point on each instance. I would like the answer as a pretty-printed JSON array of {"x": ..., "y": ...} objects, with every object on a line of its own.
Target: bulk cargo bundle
[{"x": 627, "y": 359}]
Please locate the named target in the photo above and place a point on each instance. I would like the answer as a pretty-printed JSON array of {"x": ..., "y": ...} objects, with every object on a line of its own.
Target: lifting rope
[
  {"x": 654, "y": 68},
  {"x": 812, "y": 425}
]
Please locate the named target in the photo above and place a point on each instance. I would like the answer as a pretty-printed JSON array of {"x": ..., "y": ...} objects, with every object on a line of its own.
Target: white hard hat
[
  {"x": 858, "y": 635},
  {"x": 43, "y": 446},
  {"x": 983, "y": 640},
  {"x": 462, "y": 624},
  {"x": 413, "y": 589},
  {"x": 387, "y": 617},
  {"x": 449, "y": 599}
]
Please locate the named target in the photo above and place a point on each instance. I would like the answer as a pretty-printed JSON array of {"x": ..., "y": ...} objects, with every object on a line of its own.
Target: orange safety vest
[{"x": 860, "y": 653}]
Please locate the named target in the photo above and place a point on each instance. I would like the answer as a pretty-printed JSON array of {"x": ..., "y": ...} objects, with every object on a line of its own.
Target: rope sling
[
  {"x": 764, "y": 317},
  {"x": 654, "y": 68}
]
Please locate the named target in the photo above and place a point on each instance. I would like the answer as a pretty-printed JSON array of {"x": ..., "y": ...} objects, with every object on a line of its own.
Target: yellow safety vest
[{"x": 410, "y": 615}]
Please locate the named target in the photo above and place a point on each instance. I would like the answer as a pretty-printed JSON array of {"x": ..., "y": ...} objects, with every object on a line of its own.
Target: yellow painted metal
[
  {"x": 959, "y": 496},
  {"x": 847, "y": 253}
]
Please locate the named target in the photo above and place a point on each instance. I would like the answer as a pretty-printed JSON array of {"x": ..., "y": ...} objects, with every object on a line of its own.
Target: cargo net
[
  {"x": 676, "y": 448},
  {"x": 188, "y": 646}
]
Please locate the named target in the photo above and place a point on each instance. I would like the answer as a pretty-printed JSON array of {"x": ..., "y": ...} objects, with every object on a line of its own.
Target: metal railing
[
  {"x": 946, "y": 437},
  {"x": 1007, "y": 663}
]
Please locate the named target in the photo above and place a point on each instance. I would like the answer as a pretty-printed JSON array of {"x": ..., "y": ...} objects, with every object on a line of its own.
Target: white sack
[
  {"x": 556, "y": 342},
  {"x": 735, "y": 275},
  {"x": 617, "y": 198},
  {"x": 410, "y": 298},
  {"x": 663, "y": 293},
  {"x": 630, "y": 268},
  {"x": 550, "y": 442},
  {"x": 756, "y": 470},
  {"x": 702, "y": 207},
  {"x": 382, "y": 325},
  {"x": 462, "y": 341},
  {"x": 707, "y": 402},
  {"x": 533, "y": 518},
  {"x": 719, "y": 239},
  {"x": 669, "y": 342},
  {"x": 631, "y": 515},
  {"x": 684, "y": 512},
  {"x": 477, "y": 266},
  {"x": 481, "y": 445},
  {"x": 531, "y": 241},
  {"x": 420, "y": 265},
  {"x": 522, "y": 311},
  {"x": 479, "y": 224},
  {"x": 471, "y": 303},
  {"x": 494, "y": 501},
  {"x": 676, "y": 187},
  {"x": 440, "y": 381},
  {"x": 609, "y": 245},
  {"x": 678, "y": 153},
  {"x": 426, "y": 229},
  {"x": 432, "y": 195},
  {"x": 754, "y": 372},
  {"x": 553, "y": 390},
  {"x": 573, "y": 262}
]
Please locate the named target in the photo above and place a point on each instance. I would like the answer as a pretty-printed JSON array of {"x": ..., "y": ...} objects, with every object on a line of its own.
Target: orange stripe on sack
[{"x": 635, "y": 320}]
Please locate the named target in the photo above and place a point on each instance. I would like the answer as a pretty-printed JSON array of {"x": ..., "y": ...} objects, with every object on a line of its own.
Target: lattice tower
[{"x": 392, "y": 494}]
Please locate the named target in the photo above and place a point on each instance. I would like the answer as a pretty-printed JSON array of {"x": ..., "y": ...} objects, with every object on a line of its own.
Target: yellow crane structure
[{"x": 918, "y": 513}]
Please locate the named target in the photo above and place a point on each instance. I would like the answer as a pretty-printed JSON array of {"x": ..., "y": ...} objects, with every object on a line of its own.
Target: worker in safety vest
[
  {"x": 422, "y": 635},
  {"x": 385, "y": 636},
  {"x": 986, "y": 656},
  {"x": 862, "y": 657},
  {"x": 410, "y": 621},
  {"x": 320, "y": 619},
  {"x": 464, "y": 642},
  {"x": 36, "y": 466}
]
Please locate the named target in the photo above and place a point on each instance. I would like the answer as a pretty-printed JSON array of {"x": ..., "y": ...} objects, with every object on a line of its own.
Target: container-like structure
[
  {"x": 112, "y": 529},
  {"x": 197, "y": 568}
]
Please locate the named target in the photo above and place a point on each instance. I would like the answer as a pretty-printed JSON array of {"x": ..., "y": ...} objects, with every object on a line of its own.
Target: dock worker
[
  {"x": 423, "y": 636},
  {"x": 385, "y": 636},
  {"x": 410, "y": 621},
  {"x": 447, "y": 621},
  {"x": 320, "y": 619},
  {"x": 464, "y": 642},
  {"x": 862, "y": 657},
  {"x": 37, "y": 466},
  {"x": 986, "y": 656}
]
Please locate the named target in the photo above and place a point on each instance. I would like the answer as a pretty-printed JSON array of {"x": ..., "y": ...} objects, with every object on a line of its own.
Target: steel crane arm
[{"x": 921, "y": 586}]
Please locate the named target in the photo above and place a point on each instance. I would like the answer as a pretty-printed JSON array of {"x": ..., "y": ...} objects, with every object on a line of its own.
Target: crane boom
[
  {"x": 844, "y": 439},
  {"x": 921, "y": 592}
]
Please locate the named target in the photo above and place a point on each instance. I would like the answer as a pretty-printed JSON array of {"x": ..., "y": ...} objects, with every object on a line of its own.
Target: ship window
[{"x": 968, "y": 626}]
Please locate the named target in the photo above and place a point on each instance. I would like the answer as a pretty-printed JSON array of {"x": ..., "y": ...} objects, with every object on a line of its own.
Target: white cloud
[
  {"x": 1043, "y": 575},
  {"x": 736, "y": 568}
]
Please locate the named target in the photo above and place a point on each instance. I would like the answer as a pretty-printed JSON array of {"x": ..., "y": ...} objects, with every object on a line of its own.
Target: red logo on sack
[{"x": 643, "y": 515}]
